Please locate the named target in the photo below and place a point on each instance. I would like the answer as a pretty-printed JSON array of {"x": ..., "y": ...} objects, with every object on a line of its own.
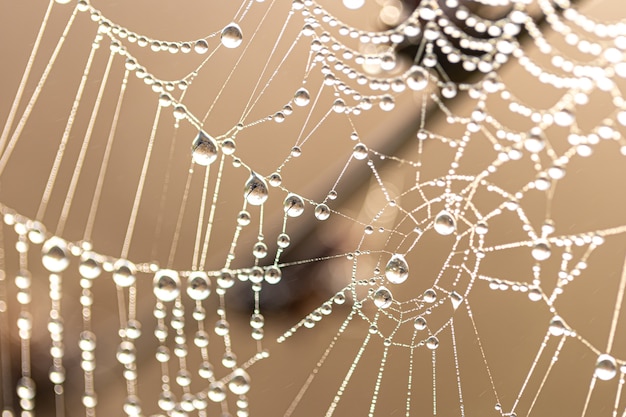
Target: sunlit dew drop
[
  {"x": 432, "y": 343},
  {"x": 353, "y": 4},
  {"x": 481, "y": 228},
  {"x": 445, "y": 224},
  {"x": 397, "y": 270},
  {"x": 322, "y": 212},
  {"x": 124, "y": 273},
  {"x": 541, "y": 250},
  {"x": 255, "y": 191},
  {"x": 419, "y": 323},
  {"x": 301, "y": 97},
  {"x": 535, "y": 141},
  {"x": 360, "y": 151},
  {"x": 166, "y": 285},
  {"x": 606, "y": 368},
  {"x": 217, "y": 391},
  {"x": 430, "y": 296},
  {"x": 557, "y": 326},
  {"x": 54, "y": 255},
  {"x": 198, "y": 286},
  {"x": 383, "y": 298},
  {"x": 456, "y": 299},
  {"x": 293, "y": 205},
  {"x": 204, "y": 149},
  {"x": 240, "y": 383},
  {"x": 232, "y": 36},
  {"x": 564, "y": 118},
  {"x": 417, "y": 78}
]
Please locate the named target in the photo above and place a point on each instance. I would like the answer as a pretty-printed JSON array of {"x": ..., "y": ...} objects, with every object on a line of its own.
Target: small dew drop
[
  {"x": 535, "y": 141},
  {"x": 606, "y": 367},
  {"x": 360, "y": 151},
  {"x": 419, "y": 323},
  {"x": 445, "y": 224},
  {"x": 417, "y": 79},
  {"x": 557, "y": 326},
  {"x": 240, "y": 382},
  {"x": 124, "y": 273},
  {"x": 198, "y": 286},
  {"x": 397, "y": 269},
  {"x": 432, "y": 343},
  {"x": 430, "y": 296},
  {"x": 322, "y": 212},
  {"x": 293, "y": 205},
  {"x": 302, "y": 97},
  {"x": 217, "y": 392},
  {"x": 204, "y": 149},
  {"x": 275, "y": 179},
  {"x": 273, "y": 275},
  {"x": 89, "y": 267},
  {"x": 383, "y": 298},
  {"x": 232, "y": 36},
  {"x": 55, "y": 255},
  {"x": 541, "y": 250},
  {"x": 255, "y": 191}
]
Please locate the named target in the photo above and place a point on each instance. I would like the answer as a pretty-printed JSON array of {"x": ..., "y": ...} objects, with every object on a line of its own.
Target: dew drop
[
  {"x": 204, "y": 149},
  {"x": 557, "y": 326},
  {"x": 55, "y": 255},
  {"x": 272, "y": 274},
  {"x": 481, "y": 228},
  {"x": 26, "y": 388},
  {"x": 275, "y": 179},
  {"x": 283, "y": 240},
  {"x": 229, "y": 146},
  {"x": 534, "y": 294},
  {"x": 201, "y": 46},
  {"x": 231, "y": 36},
  {"x": 322, "y": 212},
  {"x": 216, "y": 392},
  {"x": 243, "y": 218},
  {"x": 259, "y": 250},
  {"x": 126, "y": 353},
  {"x": 360, "y": 151},
  {"x": 606, "y": 367},
  {"x": 296, "y": 151},
  {"x": 417, "y": 78},
  {"x": 432, "y": 343},
  {"x": 293, "y": 205},
  {"x": 430, "y": 296},
  {"x": 353, "y": 4},
  {"x": 445, "y": 224},
  {"x": 419, "y": 323},
  {"x": 301, "y": 97},
  {"x": 397, "y": 269},
  {"x": 89, "y": 267},
  {"x": 456, "y": 299},
  {"x": 255, "y": 191},
  {"x": 166, "y": 285},
  {"x": 541, "y": 250},
  {"x": 124, "y": 273},
  {"x": 383, "y": 298},
  {"x": 198, "y": 286},
  {"x": 240, "y": 382},
  {"x": 535, "y": 141}
]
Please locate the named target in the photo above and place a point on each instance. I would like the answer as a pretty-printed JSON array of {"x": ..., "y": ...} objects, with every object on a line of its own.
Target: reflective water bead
[
  {"x": 240, "y": 382},
  {"x": 37, "y": 232},
  {"x": 445, "y": 223},
  {"x": 301, "y": 97},
  {"x": 296, "y": 151},
  {"x": 256, "y": 275},
  {"x": 126, "y": 353},
  {"x": 339, "y": 298},
  {"x": 162, "y": 354},
  {"x": 397, "y": 269},
  {"x": 198, "y": 286},
  {"x": 606, "y": 367},
  {"x": 419, "y": 323},
  {"x": 132, "y": 406},
  {"x": 206, "y": 370},
  {"x": 387, "y": 103},
  {"x": 183, "y": 378},
  {"x": 243, "y": 218},
  {"x": 26, "y": 388},
  {"x": 231, "y": 36},
  {"x": 225, "y": 279},
  {"x": 222, "y": 328},
  {"x": 217, "y": 391},
  {"x": 432, "y": 343},
  {"x": 456, "y": 299},
  {"x": 430, "y": 295},
  {"x": 255, "y": 191},
  {"x": 557, "y": 326},
  {"x": 322, "y": 212},
  {"x": 89, "y": 267},
  {"x": 55, "y": 255},
  {"x": 87, "y": 341},
  {"x": 257, "y": 321},
  {"x": 201, "y": 46},
  {"x": 124, "y": 273},
  {"x": 481, "y": 228},
  {"x": 133, "y": 329},
  {"x": 417, "y": 78},
  {"x": 229, "y": 146},
  {"x": 360, "y": 151},
  {"x": 541, "y": 250},
  {"x": 229, "y": 360},
  {"x": 449, "y": 90},
  {"x": 90, "y": 400},
  {"x": 275, "y": 179},
  {"x": 204, "y": 149},
  {"x": 383, "y": 298},
  {"x": 166, "y": 285},
  {"x": 259, "y": 250},
  {"x": 273, "y": 275},
  {"x": 283, "y": 240},
  {"x": 166, "y": 401},
  {"x": 293, "y": 205},
  {"x": 535, "y": 140},
  {"x": 353, "y": 4}
]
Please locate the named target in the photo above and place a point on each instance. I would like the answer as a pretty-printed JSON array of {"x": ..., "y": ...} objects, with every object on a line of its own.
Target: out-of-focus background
[{"x": 511, "y": 328}]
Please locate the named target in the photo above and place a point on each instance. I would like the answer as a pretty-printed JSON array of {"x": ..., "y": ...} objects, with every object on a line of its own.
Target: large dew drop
[
  {"x": 232, "y": 36},
  {"x": 302, "y": 97},
  {"x": 198, "y": 286},
  {"x": 240, "y": 383},
  {"x": 204, "y": 149},
  {"x": 54, "y": 255},
  {"x": 606, "y": 367},
  {"x": 383, "y": 298},
  {"x": 417, "y": 78},
  {"x": 541, "y": 250},
  {"x": 397, "y": 270},
  {"x": 445, "y": 224},
  {"x": 124, "y": 273},
  {"x": 293, "y": 205},
  {"x": 166, "y": 285},
  {"x": 255, "y": 190}
]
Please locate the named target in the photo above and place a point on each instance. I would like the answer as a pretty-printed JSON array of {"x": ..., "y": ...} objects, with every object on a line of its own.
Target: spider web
[{"x": 312, "y": 254}]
